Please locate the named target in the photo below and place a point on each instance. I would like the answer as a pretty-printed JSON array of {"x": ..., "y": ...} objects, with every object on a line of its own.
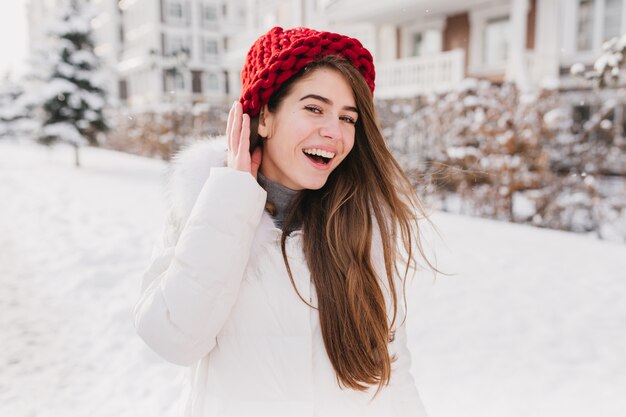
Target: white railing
[{"x": 409, "y": 77}]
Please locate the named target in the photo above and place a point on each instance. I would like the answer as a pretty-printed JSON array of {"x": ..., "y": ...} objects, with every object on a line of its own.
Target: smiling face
[{"x": 311, "y": 132}]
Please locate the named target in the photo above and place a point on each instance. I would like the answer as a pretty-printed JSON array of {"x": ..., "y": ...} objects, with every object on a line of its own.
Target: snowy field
[{"x": 531, "y": 323}]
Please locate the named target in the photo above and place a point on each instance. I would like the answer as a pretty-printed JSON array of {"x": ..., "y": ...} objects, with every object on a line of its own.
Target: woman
[{"x": 279, "y": 279}]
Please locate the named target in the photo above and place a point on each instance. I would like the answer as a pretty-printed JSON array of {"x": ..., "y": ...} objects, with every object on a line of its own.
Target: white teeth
[{"x": 319, "y": 152}]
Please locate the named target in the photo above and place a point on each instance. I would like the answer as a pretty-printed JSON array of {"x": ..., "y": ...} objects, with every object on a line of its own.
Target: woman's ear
[{"x": 265, "y": 122}]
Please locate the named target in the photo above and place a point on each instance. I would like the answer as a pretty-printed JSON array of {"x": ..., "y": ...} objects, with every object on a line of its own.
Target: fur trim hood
[{"x": 189, "y": 170}]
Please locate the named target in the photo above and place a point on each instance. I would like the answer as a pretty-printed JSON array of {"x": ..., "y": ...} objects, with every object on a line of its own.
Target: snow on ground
[{"x": 531, "y": 323}]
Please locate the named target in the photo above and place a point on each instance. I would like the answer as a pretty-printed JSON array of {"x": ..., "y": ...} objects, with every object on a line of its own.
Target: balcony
[
  {"x": 393, "y": 11},
  {"x": 409, "y": 77}
]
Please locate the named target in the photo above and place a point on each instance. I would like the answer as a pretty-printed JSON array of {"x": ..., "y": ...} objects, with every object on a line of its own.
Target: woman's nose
[{"x": 331, "y": 129}]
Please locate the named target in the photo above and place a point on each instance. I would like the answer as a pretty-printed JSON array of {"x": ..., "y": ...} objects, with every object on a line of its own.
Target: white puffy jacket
[{"x": 217, "y": 298}]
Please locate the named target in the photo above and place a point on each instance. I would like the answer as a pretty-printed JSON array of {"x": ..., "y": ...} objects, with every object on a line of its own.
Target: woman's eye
[
  {"x": 317, "y": 110},
  {"x": 313, "y": 109},
  {"x": 348, "y": 119}
]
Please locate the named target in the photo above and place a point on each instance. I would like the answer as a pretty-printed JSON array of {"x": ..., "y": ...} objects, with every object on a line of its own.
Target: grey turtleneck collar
[{"x": 279, "y": 196}]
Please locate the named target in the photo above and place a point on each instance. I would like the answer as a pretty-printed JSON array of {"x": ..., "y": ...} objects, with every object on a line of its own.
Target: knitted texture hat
[{"x": 280, "y": 54}]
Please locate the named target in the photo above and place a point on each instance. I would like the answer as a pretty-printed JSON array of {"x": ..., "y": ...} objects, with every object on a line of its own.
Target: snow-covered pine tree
[
  {"x": 73, "y": 98},
  {"x": 16, "y": 118},
  {"x": 9, "y": 94}
]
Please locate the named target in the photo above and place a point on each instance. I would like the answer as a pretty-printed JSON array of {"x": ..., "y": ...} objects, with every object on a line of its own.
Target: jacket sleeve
[
  {"x": 401, "y": 377},
  {"x": 193, "y": 279}
]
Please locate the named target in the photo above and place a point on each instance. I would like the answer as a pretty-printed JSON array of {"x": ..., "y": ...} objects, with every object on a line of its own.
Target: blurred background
[
  {"x": 509, "y": 109},
  {"x": 509, "y": 117}
]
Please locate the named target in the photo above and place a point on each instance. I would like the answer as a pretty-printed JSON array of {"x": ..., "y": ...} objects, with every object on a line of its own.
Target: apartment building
[
  {"x": 171, "y": 50},
  {"x": 186, "y": 51},
  {"x": 192, "y": 50},
  {"x": 430, "y": 45}
]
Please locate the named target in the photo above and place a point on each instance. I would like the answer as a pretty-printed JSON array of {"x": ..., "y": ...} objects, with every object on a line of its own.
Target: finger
[
  {"x": 255, "y": 161},
  {"x": 229, "y": 125},
  {"x": 236, "y": 127},
  {"x": 244, "y": 139}
]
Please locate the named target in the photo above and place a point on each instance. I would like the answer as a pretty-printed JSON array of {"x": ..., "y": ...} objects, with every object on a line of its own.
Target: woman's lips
[{"x": 318, "y": 165}]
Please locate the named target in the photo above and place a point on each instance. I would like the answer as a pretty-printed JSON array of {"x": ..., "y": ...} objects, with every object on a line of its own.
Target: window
[
  {"x": 585, "y": 24},
  {"x": 209, "y": 12},
  {"x": 417, "y": 44},
  {"x": 209, "y": 16},
  {"x": 489, "y": 32},
  {"x": 123, "y": 90},
  {"x": 196, "y": 82},
  {"x": 175, "y": 45},
  {"x": 173, "y": 81},
  {"x": 598, "y": 21},
  {"x": 226, "y": 85},
  {"x": 175, "y": 10},
  {"x": 580, "y": 114},
  {"x": 213, "y": 83},
  {"x": 496, "y": 41},
  {"x": 179, "y": 81},
  {"x": 209, "y": 50},
  {"x": 612, "y": 19},
  {"x": 241, "y": 14},
  {"x": 426, "y": 42}
]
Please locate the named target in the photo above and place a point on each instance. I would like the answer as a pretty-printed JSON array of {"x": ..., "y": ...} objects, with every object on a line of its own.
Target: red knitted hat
[{"x": 279, "y": 54}]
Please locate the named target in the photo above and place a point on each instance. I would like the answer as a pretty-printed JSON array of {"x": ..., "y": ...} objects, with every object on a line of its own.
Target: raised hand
[{"x": 238, "y": 132}]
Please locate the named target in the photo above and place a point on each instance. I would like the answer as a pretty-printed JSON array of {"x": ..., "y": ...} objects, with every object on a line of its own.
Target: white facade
[
  {"x": 260, "y": 16},
  {"x": 164, "y": 51},
  {"x": 173, "y": 50},
  {"x": 108, "y": 36},
  {"x": 529, "y": 42},
  {"x": 192, "y": 50}
]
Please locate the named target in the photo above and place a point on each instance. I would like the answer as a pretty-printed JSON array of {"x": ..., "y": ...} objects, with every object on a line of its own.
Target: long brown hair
[{"x": 367, "y": 190}]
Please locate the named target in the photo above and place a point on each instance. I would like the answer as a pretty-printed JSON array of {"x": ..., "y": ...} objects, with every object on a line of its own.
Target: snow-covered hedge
[
  {"x": 490, "y": 151},
  {"x": 606, "y": 69},
  {"x": 482, "y": 150},
  {"x": 159, "y": 131}
]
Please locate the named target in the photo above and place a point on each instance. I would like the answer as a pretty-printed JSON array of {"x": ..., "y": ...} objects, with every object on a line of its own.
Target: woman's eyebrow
[{"x": 328, "y": 101}]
